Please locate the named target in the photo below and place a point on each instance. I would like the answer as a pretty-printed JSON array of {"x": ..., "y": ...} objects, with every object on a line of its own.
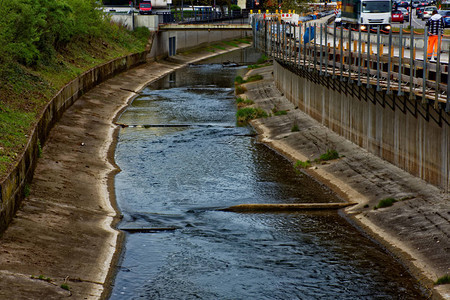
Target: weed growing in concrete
[
  {"x": 26, "y": 190},
  {"x": 65, "y": 286},
  {"x": 39, "y": 148},
  {"x": 240, "y": 90},
  {"x": 385, "y": 203},
  {"x": 329, "y": 155},
  {"x": 41, "y": 277},
  {"x": 280, "y": 113},
  {"x": 244, "y": 115},
  {"x": 262, "y": 59},
  {"x": 443, "y": 280},
  {"x": 241, "y": 102},
  {"x": 295, "y": 128},
  {"x": 302, "y": 164},
  {"x": 239, "y": 80}
]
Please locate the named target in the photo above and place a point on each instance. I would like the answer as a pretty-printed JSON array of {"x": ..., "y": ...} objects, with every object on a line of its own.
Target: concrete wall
[
  {"x": 149, "y": 21},
  {"x": 405, "y": 133},
  {"x": 13, "y": 188},
  {"x": 188, "y": 39}
]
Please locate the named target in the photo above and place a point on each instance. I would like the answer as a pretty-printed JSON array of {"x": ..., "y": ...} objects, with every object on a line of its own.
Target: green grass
[
  {"x": 240, "y": 90},
  {"x": 243, "y": 102},
  {"x": 385, "y": 203},
  {"x": 65, "y": 286},
  {"x": 239, "y": 80},
  {"x": 262, "y": 59},
  {"x": 41, "y": 277},
  {"x": 443, "y": 280},
  {"x": 25, "y": 90},
  {"x": 329, "y": 155},
  {"x": 246, "y": 114},
  {"x": 295, "y": 128},
  {"x": 280, "y": 113},
  {"x": 302, "y": 164}
]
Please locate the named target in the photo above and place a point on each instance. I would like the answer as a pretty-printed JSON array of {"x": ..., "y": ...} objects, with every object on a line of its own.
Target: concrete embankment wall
[
  {"x": 14, "y": 187},
  {"x": 189, "y": 39},
  {"x": 410, "y": 135}
]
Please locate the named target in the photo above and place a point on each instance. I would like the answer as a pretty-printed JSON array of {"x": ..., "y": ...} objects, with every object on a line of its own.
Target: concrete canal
[{"x": 182, "y": 158}]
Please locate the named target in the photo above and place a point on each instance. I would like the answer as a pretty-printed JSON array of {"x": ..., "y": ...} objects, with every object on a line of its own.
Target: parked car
[
  {"x": 420, "y": 7},
  {"x": 145, "y": 8},
  {"x": 446, "y": 17},
  {"x": 427, "y": 11},
  {"x": 405, "y": 13}
]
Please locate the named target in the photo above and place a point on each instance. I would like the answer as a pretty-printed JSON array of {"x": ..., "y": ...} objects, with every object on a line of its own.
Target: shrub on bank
[{"x": 44, "y": 44}]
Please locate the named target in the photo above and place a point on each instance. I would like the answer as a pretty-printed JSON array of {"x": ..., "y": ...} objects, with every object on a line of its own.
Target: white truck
[{"x": 367, "y": 13}]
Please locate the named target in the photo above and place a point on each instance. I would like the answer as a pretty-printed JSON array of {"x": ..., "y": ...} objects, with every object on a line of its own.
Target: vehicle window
[
  {"x": 146, "y": 5},
  {"x": 376, "y": 7}
]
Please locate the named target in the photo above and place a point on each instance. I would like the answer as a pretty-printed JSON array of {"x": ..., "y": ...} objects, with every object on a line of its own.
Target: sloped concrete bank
[
  {"x": 61, "y": 242},
  {"x": 14, "y": 187},
  {"x": 415, "y": 229}
]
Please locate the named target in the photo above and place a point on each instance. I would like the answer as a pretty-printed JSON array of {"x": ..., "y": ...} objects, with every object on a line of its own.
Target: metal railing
[
  {"x": 195, "y": 17},
  {"x": 390, "y": 62}
]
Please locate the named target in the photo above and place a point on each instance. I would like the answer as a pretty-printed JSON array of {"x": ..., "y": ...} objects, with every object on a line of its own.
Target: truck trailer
[{"x": 367, "y": 13}]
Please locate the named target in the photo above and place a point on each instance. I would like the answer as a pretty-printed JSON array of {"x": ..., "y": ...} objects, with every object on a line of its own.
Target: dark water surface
[{"x": 176, "y": 178}]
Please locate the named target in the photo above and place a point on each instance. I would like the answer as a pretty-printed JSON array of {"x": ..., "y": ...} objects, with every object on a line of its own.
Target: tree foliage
[{"x": 32, "y": 30}]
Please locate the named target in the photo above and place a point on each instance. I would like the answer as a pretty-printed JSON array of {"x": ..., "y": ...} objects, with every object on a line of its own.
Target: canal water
[{"x": 182, "y": 158}]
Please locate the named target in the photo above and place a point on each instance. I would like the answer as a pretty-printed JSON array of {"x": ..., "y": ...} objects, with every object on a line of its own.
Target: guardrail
[{"x": 360, "y": 57}]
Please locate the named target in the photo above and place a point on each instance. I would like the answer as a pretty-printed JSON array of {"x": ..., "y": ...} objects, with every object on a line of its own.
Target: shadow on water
[{"x": 174, "y": 178}]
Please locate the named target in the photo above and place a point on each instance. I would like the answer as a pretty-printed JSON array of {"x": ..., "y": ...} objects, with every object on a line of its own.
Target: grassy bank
[{"x": 43, "y": 46}]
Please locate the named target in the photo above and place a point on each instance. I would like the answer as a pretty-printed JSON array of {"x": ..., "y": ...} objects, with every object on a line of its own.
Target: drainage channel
[{"x": 179, "y": 244}]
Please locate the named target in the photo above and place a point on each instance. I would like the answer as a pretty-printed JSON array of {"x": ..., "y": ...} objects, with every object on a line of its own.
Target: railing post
[
  {"x": 334, "y": 51},
  {"x": 400, "y": 66},
  {"x": 326, "y": 50},
  {"x": 321, "y": 50},
  {"x": 447, "y": 105},
  {"x": 411, "y": 64},
  {"x": 378, "y": 59},
  {"x": 359, "y": 55},
  {"x": 368, "y": 57},
  {"x": 350, "y": 61},
  {"x": 315, "y": 47},
  {"x": 389, "y": 62},
  {"x": 438, "y": 72},
  {"x": 341, "y": 58},
  {"x": 425, "y": 58}
]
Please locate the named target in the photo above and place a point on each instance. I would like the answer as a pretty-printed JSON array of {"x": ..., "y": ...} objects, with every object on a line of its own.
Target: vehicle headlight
[
  {"x": 388, "y": 27},
  {"x": 363, "y": 27}
]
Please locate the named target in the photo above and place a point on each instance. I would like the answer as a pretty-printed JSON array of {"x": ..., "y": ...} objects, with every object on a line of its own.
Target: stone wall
[
  {"x": 408, "y": 134},
  {"x": 15, "y": 186}
]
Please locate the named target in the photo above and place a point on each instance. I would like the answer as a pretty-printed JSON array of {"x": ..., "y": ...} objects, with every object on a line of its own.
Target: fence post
[
  {"x": 326, "y": 50},
  {"x": 389, "y": 62},
  {"x": 438, "y": 72},
  {"x": 341, "y": 58},
  {"x": 412, "y": 68},
  {"x": 368, "y": 57},
  {"x": 425, "y": 58},
  {"x": 378, "y": 59},
  {"x": 400, "y": 66},
  {"x": 321, "y": 49},
  {"x": 359, "y": 56},
  {"x": 334, "y": 51}
]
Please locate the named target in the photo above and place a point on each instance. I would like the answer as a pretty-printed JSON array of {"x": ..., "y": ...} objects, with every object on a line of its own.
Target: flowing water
[{"x": 182, "y": 158}]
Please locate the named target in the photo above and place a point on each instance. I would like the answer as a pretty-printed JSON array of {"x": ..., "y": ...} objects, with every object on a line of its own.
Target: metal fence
[
  {"x": 198, "y": 16},
  {"x": 393, "y": 62}
]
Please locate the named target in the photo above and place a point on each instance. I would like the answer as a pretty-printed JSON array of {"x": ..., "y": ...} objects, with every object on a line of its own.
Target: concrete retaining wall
[
  {"x": 405, "y": 133},
  {"x": 186, "y": 40},
  {"x": 14, "y": 187}
]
